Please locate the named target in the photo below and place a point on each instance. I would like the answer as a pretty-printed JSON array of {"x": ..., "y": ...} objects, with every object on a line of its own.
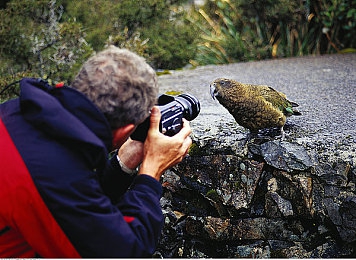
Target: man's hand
[
  {"x": 131, "y": 153},
  {"x": 160, "y": 151}
]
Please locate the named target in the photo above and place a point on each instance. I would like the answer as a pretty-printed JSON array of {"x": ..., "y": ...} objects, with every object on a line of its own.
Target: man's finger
[
  {"x": 155, "y": 118},
  {"x": 186, "y": 130}
]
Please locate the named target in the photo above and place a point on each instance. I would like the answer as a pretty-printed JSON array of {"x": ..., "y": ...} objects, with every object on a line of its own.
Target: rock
[
  {"x": 243, "y": 229},
  {"x": 343, "y": 216},
  {"x": 257, "y": 249},
  {"x": 226, "y": 180},
  {"x": 285, "y": 156},
  {"x": 276, "y": 206},
  {"x": 348, "y": 215}
]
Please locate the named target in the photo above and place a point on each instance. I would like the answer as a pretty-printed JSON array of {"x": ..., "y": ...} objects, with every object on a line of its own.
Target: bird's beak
[{"x": 213, "y": 91}]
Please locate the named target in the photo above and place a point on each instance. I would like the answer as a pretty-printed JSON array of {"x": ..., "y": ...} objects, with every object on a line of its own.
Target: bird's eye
[{"x": 222, "y": 82}]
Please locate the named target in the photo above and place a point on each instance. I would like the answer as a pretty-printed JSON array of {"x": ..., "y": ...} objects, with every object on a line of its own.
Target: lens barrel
[{"x": 190, "y": 104}]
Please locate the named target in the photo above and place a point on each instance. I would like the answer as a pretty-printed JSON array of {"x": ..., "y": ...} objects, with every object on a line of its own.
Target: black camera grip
[{"x": 141, "y": 130}]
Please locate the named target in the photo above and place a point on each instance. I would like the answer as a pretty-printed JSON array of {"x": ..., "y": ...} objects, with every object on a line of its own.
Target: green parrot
[{"x": 254, "y": 107}]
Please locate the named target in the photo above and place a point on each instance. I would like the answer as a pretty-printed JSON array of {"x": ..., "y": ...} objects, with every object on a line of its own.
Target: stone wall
[{"x": 289, "y": 205}]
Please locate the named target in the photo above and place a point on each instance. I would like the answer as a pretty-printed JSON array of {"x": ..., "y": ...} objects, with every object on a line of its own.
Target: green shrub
[
  {"x": 59, "y": 35},
  {"x": 43, "y": 48},
  {"x": 242, "y": 30},
  {"x": 169, "y": 39},
  {"x": 155, "y": 29},
  {"x": 171, "y": 45},
  {"x": 336, "y": 19}
]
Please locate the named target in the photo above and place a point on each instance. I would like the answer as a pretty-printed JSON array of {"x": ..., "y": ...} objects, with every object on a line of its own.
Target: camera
[{"x": 173, "y": 110}]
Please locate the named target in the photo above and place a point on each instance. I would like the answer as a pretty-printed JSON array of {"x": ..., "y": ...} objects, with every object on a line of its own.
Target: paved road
[{"x": 323, "y": 86}]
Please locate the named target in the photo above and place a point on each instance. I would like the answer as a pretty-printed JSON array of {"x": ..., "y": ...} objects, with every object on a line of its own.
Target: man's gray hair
[{"x": 120, "y": 83}]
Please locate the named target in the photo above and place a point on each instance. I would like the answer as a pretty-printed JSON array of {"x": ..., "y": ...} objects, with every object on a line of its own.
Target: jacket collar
[{"x": 64, "y": 113}]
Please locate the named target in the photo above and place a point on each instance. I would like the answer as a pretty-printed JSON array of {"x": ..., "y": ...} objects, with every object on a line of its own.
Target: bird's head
[{"x": 217, "y": 87}]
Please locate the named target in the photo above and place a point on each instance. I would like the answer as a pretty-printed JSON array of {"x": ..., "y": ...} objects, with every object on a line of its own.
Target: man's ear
[{"x": 120, "y": 135}]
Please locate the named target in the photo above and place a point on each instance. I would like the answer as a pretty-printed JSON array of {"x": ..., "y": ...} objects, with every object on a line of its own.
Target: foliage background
[{"x": 52, "y": 38}]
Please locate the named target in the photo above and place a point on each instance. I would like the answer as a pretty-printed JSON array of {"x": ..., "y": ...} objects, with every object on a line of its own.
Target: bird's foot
[
  {"x": 267, "y": 134},
  {"x": 283, "y": 134}
]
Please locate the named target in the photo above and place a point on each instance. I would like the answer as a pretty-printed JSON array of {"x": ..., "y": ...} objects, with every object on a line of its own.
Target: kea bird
[{"x": 254, "y": 107}]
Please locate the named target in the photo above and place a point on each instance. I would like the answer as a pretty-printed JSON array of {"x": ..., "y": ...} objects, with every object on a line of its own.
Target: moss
[
  {"x": 163, "y": 72},
  {"x": 212, "y": 194},
  {"x": 195, "y": 150},
  {"x": 173, "y": 93}
]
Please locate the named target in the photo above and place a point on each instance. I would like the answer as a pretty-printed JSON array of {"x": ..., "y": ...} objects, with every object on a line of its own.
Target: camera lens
[{"x": 190, "y": 104}]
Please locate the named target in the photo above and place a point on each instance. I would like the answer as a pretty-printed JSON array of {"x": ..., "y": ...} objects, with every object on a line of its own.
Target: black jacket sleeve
[{"x": 114, "y": 180}]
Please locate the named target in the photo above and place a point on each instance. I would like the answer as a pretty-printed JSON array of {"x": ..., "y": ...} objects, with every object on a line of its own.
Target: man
[{"x": 59, "y": 195}]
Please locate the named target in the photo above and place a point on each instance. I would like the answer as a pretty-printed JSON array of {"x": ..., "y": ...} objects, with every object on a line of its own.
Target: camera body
[{"x": 173, "y": 110}]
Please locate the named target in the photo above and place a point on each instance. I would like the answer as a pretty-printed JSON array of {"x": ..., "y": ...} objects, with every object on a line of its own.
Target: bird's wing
[
  {"x": 276, "y": 98},
  {"x": 270, "y": 94}
]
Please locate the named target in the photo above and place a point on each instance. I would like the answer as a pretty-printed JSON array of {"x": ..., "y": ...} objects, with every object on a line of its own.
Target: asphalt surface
[{"x": 323, "y": 86}]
